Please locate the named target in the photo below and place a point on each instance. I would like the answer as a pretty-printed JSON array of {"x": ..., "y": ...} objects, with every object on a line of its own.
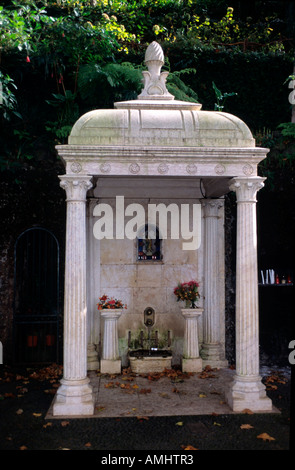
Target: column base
[
  {"x": 74, "y": 397},
  {"x": 109, "y": 366},
  {"x": 248, "y": 393},
  {"x": 192, "y": 364},
  {"x": 212, "y": 356},
  {"x": 92, "y": 358}
]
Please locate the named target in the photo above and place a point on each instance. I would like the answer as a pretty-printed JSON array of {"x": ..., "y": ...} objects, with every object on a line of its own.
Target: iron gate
[{"x": 36, "y": 297}]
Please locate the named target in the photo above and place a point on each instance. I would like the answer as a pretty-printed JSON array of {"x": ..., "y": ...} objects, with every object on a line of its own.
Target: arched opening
[
  {"x": 149, "y": 244},
  {"x": 36, "y": 297}
]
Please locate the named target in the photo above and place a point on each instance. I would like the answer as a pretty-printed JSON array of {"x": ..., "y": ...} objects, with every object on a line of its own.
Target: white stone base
[
  {"x": 192, "y": 364},
  {"x": 146, "y": 364},
  {"x": 248, "y": 393},
  {"x": 74, "y": 398},
  {"x": 109, "y": 366},
  {"x": 212, "y": 356},
  {"x": 218, "y": 363},
  {"x": 92, "y": 358}
]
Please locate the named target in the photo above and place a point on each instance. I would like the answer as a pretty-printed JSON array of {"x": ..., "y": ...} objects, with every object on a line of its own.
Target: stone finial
[{"x": 155, "y": 80}]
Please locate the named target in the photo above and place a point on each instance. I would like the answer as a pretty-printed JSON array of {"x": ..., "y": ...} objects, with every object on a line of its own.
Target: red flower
[{"x": 28, "y": 59}]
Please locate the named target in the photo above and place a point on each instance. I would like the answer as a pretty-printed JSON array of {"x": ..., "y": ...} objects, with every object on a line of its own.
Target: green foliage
[
  {"x": 221, "y": 97},
  {"x": 60, "y": 58},
  {"x": 288, "y": 129},
  {"x": 8, "y": 101},
  {"x": 67, "y": 112},
  {"x": 102, "y": 85},
  {"x": 279, "y": 165}
]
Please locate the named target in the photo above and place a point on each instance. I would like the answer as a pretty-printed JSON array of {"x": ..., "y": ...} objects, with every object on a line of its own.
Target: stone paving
[{"x": 133, "y": 395}]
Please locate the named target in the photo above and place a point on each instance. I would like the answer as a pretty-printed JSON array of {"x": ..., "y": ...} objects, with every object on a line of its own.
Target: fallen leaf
[
  {"x": 246, "y": 426},
  {"x": 100, "y": 408},
  {"x": 109, "y": 385},
  {"x": 64, "y": 423},
  {"x": 125, "y": 386},
  {"x": 47, "y": 425},
  {"x": 145, "y": 390},
  {"x": 188, "y": 447},
  {"x": 23, "y": 448},
  {"x": 179, "y": 423},
  {"x": 216, "y": 424},
  {"x": 247, "y": 411},
  {"x": 88, "y": 444},
  {"x": 202, "y": 395},
  {"x": 37, "y": 415},
  {"x": 140, "y": 418},
  {"x": 19, "y": 412},
  {"x": 265, "y": 437}
]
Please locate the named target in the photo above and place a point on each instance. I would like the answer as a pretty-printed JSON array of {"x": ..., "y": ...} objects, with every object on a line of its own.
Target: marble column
[
  {"x": 247, "y": 390},
  {"x": 110, "y": 362},
  {"x": 191, "y": 360},
  {"x": 93, "y": 288},
  {"x": 212, "y": 353},
  {"x": 75, "y": 396}
]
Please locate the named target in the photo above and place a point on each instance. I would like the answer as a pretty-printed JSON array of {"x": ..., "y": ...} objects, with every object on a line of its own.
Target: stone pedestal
[
  {"x": 191, "y": 360},
  {"x": 110, "y": 362},
  {"x": 211, "y": 352},
  {"x": 74, "y": 396},
  {"x": 247, "y": 390}
]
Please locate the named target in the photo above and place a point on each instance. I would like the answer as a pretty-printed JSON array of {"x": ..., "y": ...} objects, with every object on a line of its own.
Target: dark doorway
[{"x": 36, "y": 297}]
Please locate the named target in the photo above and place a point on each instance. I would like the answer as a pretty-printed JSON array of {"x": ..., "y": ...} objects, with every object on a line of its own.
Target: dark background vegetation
[{"x": 59, "y": 59}]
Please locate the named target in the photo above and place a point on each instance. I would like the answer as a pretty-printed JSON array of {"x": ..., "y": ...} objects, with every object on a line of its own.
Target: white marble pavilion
[{"x": 158, "y": 149}]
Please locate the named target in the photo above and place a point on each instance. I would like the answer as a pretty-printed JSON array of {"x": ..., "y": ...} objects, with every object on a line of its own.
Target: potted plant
[
  {"x": 106, "y": 302},
  {"x": 187, "y": 292}
]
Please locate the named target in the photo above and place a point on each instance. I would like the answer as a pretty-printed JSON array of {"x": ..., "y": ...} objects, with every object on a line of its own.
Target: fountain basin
[{"x": 144, "y": 361}]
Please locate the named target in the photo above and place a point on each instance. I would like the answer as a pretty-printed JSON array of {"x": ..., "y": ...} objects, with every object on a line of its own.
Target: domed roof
[{"x": 156, "y": 119}]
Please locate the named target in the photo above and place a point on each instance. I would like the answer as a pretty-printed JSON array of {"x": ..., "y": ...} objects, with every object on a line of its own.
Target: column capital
[
  {"x": 212, "y": 206},
  {"x": 76, "y": 186},
  {"x": 246, "y": 188}
]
